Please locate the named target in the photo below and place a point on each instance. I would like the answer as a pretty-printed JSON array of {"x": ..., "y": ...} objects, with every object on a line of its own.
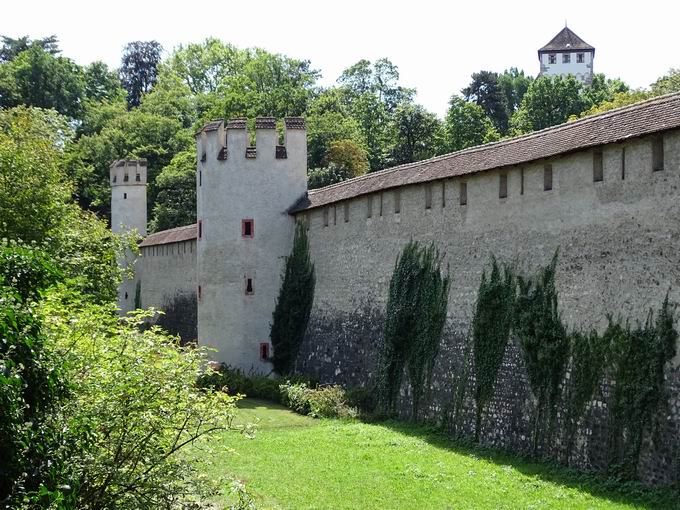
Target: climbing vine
[
  {"x": 415, "y": 317},
  {"x": 490, "y": 332},
  {"x": 294, "y": 304},
  {"x": 544, "y": 343},
  {"x": 638, "y": 358}
]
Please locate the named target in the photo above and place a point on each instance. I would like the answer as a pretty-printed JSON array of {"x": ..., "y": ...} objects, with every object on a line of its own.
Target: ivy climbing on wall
[
  {"x": 415, "y": 317},
  {"x": 294, "y": 304},
  {"x": 490, "y": 332},
  {"x": 544, "y": 343}
]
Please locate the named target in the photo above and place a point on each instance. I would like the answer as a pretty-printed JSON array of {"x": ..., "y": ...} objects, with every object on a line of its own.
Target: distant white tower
[
  {"x": 128, "y": 212},
  {"x": 567, "y": 54}
]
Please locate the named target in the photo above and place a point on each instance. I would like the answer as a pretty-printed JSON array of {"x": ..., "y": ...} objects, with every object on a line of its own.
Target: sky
[{"x": 436, "y": 45}]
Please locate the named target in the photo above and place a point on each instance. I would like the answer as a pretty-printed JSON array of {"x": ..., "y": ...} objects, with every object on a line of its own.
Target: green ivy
[
  {"x": 639, "y": 355},
  {"x": 544, "y": 343},
  {"x": 490, "y": 332},
  {"x": 415, "y": 317},
  {"x": 294, "y": 304}
]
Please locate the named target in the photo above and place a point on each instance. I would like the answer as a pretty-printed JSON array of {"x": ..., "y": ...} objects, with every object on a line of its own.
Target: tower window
[
  {"x": 200, "y": 229},
  {"x": 598, "y": 167},
  {"x": 552, "y": 58},
  {"x": 579, "y": 58},
  {"x": 566, "y": 58},
  {"x": 249, "y": 287},
  {"x": 114, "y": 177},
  {"x": 503, "y": 186},
  {"x": 248, "y": 228},
  {"x": 200, "y": 294},
  {"x": 397, "y": 201},
  {"x": 547, "y": 177},
  {"x": 264, "y": 351},
  {"x": 124, "y": 196},
  {"x": 200, "y": 178},
  {"x": 463, "y": 193},
  {"x": 126, "y": 178},
  {"x": 428, "y": 196},
  {"x": 657, "y": 154},
  {"x": 346, "y": 211},
  {"x": 126, "y": 295},
  {"x": 138, "y": 178}
]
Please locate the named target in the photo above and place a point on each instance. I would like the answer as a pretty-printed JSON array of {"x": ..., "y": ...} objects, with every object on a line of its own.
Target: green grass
[{"x": 297, "y": 462}]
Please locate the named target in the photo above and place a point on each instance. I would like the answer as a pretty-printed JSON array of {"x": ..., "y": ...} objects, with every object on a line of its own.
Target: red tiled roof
[
  {"x": 655, "y": 115},
  {"x": 173, "y": 235}
]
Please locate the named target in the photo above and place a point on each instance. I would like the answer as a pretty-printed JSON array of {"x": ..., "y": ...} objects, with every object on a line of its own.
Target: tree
[
  {"x": 294, "y": 304},
  {"x": 12, "y": 47},
  {"x": 101, "y": 83},
  {"x": 139, "y": 69},
  {"x": 668, "y": 83},
  {"x": 36, "y": 77},
  {"x": 347, "y": 154},
  {"x": 415, "y": 131},
  {"x": 548, "y": 102},
  {"x": 176, "y": 200},
  {"x": 325, "y": 176},
  {"x": 466, "y": 125},
  {"x": 603, "y": 89},
  {"x": 514, "y": 84},
  {"x": 486, "y": 92},
  {"x": 618, "y": 100}
]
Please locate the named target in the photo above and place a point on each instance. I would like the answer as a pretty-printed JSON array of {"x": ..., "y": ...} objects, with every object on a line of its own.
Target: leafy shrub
[
  {"x": 321, "y": 402},
  {"x": 235, "y": 382},
  {"x": 363, "y": 399}
]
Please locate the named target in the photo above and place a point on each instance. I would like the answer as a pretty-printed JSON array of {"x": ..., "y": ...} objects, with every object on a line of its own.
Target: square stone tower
[
  {"x": 244, "y": 193},
  {"x": 567, "y": 54}
]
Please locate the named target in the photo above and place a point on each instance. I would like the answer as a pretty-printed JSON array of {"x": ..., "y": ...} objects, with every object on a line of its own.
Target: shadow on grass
[{"x": 631, "y": 493}]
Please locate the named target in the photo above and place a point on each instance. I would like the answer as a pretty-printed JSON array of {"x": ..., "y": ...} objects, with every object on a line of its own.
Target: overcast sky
[{"x": 436, "y": 45}]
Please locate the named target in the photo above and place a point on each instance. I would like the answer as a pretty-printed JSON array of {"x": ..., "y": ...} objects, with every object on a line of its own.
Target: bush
[
  {"x": 234, "y": 382},
  {"x": 321, "y": 402}
]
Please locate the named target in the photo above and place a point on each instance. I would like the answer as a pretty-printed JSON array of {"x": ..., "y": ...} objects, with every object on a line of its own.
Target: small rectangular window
[
  {"x": 503, "y": 186},
  {"x": 335, "y": 215},
  {"x": 126, "y": 178},
  {"x": 200, "y": 178},
  {"x": 264, "y": 351},
  {"x": 124, "y": 196},
  {"x": 138, "y": 178},
  {"x": 369, "y": 206},
  {"x": 249, "y": 287},
  {"x": 552, "y": 58},
  {"x": 598, "y": 166},
  {"x": 547, "y": 177},
  {"x": 428, "y": 196},
  {"x": 623, "y": 163},
  {"x": 346, "y": 211},
  {"x": 397, "y": 201},
  {"x": 200, "y": 229},
  {"x": 566, "y": 58},
  {"x": 325, "y": 216},
  {"x": 443, "y": 194},
  {"x": 579, "y": 58},
  {"x": 463, "y": 193},
  {"x": 657, "y": 154},
  {"x": 381, "y": 204},
  {"x": 114, "y": 177},
  {"x": 248, "y": 228},
  {"x": 200, "y": 294},
  {"x": 521, "y": 181}
]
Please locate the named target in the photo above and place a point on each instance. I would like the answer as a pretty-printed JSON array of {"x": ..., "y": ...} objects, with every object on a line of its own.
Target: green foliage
[
  {"x": 618, "y": 100},
  {"x": 320, "y": 402},
  {"x": 176, "y": 199},
  {"x": 11, "y": 48},
  {"x": 234, "y": 382},
  {"x": 139, "y": 69},
  {"x": 415, "y": 131},
  {"x": 320, "y": 177},
  {"x": 26, "y": 270},
  {"x": 491, "y": 325},
  {"x": 294, "y": 304},
  {"x": 415, "y": 316},
  {"x": 639, "y": 356},
  {"x": 102, "y": 84},
  {"x": 543, "y": 340},
  {"x": 466, "y": 125},
  {"x": 514, "y": 84},
  {"x": 485, "y": 91},
  {"x": 132, "y": 411},
  {"x": 668, "y": 83},
  {"x": 348, "y": 155}
]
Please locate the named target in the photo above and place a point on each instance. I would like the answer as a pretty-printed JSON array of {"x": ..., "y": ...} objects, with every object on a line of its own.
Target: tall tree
[
  {"x": 548, "y": 102},
  {"x": 486, "y": 92},
  {"x": 11, "y": 48},
  {"x": 466, "y": 125},
  {"x": 176, "y": 200},
  {"x": 415, "y": 131},
  {"x": 668, "y": 83},
  {"x": 139, "y": 69},
  {"x": 101, "y": 83},
  {"x": 603, "y": 89},
  {"x": 514, "y": 84}
]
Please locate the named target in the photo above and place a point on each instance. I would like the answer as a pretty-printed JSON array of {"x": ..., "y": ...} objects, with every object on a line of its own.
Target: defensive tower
[
  {"x": 567, "y": 53},
  {"x": 244, "y": 194},
  {"x": 128, "y": 212}
]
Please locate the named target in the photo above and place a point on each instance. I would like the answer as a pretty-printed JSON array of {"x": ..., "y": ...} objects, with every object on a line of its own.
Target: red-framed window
[
  {"x": 248, "y": 228},
  {"x": 264, "y": 351}
]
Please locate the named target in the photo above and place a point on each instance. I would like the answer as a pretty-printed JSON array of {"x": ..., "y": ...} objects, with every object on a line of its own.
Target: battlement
[
  {"x": 218, "y": 141},
  {"x": 128, "y": 172}
]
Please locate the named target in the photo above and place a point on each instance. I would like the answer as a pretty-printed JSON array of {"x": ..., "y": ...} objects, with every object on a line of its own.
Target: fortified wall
[{"x": 604, "y": 191}]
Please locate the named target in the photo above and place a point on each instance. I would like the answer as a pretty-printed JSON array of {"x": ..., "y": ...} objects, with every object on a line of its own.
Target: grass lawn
[{"x": 297, "y": 462}]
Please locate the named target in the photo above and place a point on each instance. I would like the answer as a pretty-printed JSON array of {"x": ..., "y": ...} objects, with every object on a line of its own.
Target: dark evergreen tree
[
  {"x": 294, "y": 303},
  {"x": 139, "y": 69},
  {"x": 487, "y": 93}
]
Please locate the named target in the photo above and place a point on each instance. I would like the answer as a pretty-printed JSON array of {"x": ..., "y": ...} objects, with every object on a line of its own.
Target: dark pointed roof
[{"x": 566, "y": 40}]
